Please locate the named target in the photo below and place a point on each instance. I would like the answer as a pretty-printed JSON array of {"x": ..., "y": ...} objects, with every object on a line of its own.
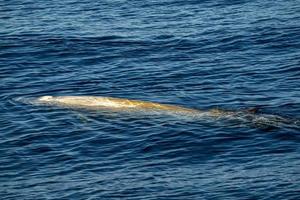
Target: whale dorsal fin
[{"x": 253, "y": 110}]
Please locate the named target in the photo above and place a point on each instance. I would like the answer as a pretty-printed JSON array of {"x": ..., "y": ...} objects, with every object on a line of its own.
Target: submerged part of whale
[{"x": 120, "y": 104}]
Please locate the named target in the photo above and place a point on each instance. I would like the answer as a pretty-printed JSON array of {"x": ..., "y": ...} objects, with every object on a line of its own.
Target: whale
[
  {"x": 112, "y": 103},
  {"x": 115, "y": 104}
]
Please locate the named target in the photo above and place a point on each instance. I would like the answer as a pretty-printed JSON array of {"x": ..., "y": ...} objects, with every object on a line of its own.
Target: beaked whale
[
  {"x": 99, "y": 103},
  {"x": 122, "y": 104}
]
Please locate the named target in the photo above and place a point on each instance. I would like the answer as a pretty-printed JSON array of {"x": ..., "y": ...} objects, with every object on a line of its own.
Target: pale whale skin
[{"x": 100, "y": 103}]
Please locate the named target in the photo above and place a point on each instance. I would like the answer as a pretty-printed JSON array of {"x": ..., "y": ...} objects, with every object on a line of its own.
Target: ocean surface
[{"x": 225, "y": 54}]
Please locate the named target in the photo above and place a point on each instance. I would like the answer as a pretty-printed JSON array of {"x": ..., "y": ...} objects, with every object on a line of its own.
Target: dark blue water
[{"x": 199, "y": 54}]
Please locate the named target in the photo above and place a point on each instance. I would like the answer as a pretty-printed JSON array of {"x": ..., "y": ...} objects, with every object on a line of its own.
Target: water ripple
[{"x": 231, "y": 55}]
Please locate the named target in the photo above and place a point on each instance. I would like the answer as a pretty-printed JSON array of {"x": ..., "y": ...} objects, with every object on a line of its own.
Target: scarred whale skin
[{"x": 99, "y": 103}]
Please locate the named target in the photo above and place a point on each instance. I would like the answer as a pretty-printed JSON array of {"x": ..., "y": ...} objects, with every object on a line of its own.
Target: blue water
[{"x": 230, "y": 55}]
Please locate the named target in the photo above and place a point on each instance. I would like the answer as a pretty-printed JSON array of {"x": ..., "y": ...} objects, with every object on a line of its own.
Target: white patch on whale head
[{"x": 45, "y": 98}]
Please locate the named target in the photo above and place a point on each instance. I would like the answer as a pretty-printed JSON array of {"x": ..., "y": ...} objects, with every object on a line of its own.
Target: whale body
[
  {"x": 99, "y": 103},
  {"x": 129, "y": 105},
  {"x": 122, "y": 104}
]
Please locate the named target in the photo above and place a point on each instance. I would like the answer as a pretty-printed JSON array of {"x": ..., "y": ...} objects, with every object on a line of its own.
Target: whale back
[{"x": 98, "y": 102}]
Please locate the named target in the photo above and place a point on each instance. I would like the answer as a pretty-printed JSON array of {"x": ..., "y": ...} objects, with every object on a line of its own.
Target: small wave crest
[{"x": 24, "y": 100}]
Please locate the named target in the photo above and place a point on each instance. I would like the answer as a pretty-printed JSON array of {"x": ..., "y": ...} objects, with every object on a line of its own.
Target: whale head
[{"x": 45, "y": 98}]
